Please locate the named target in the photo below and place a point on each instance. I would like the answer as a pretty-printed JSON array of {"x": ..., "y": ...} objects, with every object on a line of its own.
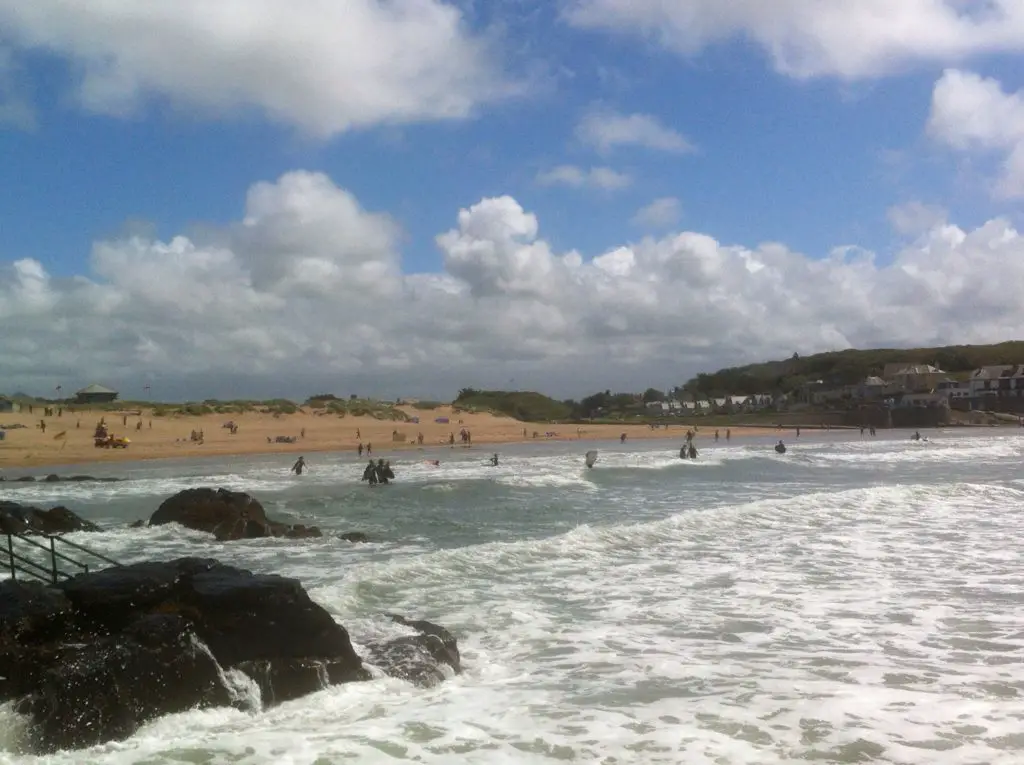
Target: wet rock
[
  {"x": 450, "y": 654},
  {"x": 155, "y": 667},
  {"x": 137, "y": 524},
  {"x": 25, "y": 479},
  {"x": 16, "y": 518},
  {"x": 93, "y": 658},
  {"x": 228, "y": 515},
  {"x": 355, "y": 536},
  {"x": 417, "y": 658}
]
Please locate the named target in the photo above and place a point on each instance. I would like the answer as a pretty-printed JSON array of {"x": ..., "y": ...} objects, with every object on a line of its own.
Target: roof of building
[
  {"x": 95, "y": 388},
  {"x": 996, "y": 371},
  {"x": 874, "y": 380}
]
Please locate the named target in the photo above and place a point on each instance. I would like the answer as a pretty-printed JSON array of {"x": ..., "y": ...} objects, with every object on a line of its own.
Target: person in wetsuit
[
  {"x": 494, "y": 461},
  {"x": 299, "y": 466},
  {"x": 370, "y": 473}
]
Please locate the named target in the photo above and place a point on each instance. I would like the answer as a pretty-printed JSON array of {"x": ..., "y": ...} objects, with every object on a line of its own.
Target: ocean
[{"x": 855, "y": 600}]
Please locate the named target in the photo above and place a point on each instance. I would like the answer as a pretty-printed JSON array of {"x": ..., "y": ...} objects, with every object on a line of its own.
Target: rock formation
[
  {"x": 54, "y": 478},
  {"x": 92, "y": 659},
  {"x": 16, "y": 518},
  {"x": 418, "y": 657},
  {"x": 228, "y": 515}
]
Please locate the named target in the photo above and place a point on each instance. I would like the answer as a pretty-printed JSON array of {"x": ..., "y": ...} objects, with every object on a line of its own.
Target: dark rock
[
  {"x": 355, "y": 536},
  {"x": 417, "y": 658},
  {"x": 228, "y": 515},
  {"x": 91, "y": 659},
  {"x": 52, "y": 478},
  {"x": 137, "y": 525},
  {"x": 16, "y": 518},
  {"x": 25, "y": 479},
  {"x": 451, "y": 655},
  {"x": 282, "y": 680},
  {"x": 154, "y": 668}
]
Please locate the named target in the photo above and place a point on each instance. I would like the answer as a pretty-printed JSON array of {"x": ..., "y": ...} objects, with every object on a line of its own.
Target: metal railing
[{"x": 19, "y": 563}]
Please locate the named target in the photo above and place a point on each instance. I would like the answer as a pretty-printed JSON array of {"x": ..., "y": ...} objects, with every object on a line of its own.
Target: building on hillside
[
  {"x": 1002, "y": 381},
  {"x": 8, "y": 405},
  {"x": 923, "y": 400},
  {"x": 95, "y": 394},
  {"x": 913, "y": 377},
  {"x": 872, "y": 388},
  {"x": 955, "y": 390}
]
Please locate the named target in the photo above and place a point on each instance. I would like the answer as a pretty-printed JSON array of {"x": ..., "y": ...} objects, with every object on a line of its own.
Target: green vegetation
[
  {"x": 848, "y": 367},
  {"x": 426, "y": 406},
  {"x": 522, "y": 405},
  {"x": 361, "y": 407}
]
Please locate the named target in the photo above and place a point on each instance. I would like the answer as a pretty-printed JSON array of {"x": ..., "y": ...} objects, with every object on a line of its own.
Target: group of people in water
[{"x": 374, "y": 473}]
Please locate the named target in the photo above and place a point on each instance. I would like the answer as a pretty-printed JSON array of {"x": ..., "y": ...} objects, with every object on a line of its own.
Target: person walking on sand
[{"x": 299, "y": 466}]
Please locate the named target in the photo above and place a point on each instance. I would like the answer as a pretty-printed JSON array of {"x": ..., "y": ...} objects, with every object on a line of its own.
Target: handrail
[
  {"x": 85, "y": 549},
  {"x": 19, "y": 563},
  {"x": 31, "y": 564}
]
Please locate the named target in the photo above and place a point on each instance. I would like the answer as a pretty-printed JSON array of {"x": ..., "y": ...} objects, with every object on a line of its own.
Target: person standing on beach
[
  {"x": 299, "y": 466},
  {"x": 360, "y": 448}
]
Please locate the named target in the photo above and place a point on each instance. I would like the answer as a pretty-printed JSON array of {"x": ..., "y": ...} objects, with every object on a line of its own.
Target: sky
[{"x": 253, "y": 198}]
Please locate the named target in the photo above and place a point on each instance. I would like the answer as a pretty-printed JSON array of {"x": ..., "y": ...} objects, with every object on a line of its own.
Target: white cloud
[
  {"x": 307, "y": 292},
  {"x": 915, "y": 218},
  {"x": 812, "y": 38},
  {"x": 605, "y": 129},
  {"x": 577, "y": 177},
  {"x": 972, "y": 113},
  {"x": 661, "y": 213},
  {"x": 323, "y": 66}
]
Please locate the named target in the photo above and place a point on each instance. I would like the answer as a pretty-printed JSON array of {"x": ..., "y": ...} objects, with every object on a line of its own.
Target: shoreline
[{"x": 68, "y": 440}]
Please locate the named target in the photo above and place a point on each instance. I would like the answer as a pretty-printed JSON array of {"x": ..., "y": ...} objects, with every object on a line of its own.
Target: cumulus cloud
[
  {"x": 810, "y": 38},
  {"x": 974, "y": 113},
  {"x": 325, "y": 67},
  {"x": 605, "y": 129},
  {"x": 307, "y": 292},
  {"x": 577, "y": 177},
  {"x": 661, "y": 213},
  {"x": 915, "y": 218}
]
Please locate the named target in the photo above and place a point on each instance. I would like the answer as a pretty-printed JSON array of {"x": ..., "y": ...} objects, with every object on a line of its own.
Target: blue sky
[{"x": 107, "y": 130}]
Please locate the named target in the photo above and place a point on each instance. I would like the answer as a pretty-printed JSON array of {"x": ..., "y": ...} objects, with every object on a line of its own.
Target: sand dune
[{"x": 164, "y": 437}]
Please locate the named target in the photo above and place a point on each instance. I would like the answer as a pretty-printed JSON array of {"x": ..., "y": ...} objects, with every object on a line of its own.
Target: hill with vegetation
[
  {"x": 848, "y": 367},
  {"x": 521, "y": 405}
]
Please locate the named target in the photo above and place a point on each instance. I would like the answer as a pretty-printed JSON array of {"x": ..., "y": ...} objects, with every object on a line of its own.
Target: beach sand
[{"x": 168, "y": 437}]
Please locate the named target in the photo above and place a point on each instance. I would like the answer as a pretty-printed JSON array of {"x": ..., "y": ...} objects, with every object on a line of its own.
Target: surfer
[
  {"x": 693, "y": 451},
  {"x": 493, "y": 461},
  {"x": 370, "y": 473},
  {"x": 299, "y": 466},
  {"x": 780, "y": 448},
  {"x": 591, "y": 458},
  {"x": 682, "y": 452}
]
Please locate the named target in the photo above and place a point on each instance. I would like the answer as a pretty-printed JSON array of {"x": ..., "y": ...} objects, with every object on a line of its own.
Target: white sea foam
[{"x": 749, "y": 612}]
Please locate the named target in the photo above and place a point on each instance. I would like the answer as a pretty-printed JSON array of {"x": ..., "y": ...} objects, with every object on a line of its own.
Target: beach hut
[{"x": 95, "y": 394}]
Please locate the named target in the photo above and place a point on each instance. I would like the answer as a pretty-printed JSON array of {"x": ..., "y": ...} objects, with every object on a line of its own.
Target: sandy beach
[{"x": 69, "y": 439}]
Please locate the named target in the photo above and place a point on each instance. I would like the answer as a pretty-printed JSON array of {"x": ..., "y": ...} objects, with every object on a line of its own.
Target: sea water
[{"x": 854, "y": 600}]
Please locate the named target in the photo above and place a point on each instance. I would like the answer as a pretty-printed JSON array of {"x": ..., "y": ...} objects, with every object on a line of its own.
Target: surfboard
[{"x": 591, "y": 458}]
